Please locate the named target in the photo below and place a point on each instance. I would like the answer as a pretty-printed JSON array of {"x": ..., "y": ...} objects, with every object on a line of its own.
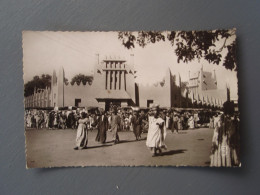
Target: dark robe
[
  {"x": 137, "y": 126},
  {"x": 102, "y": 126},
  {"x": 174, "y": 124},
  {"x": 115, "y": 124},
  {"x": 51, "y": 119},
  {"x": 70, "y": 122}
]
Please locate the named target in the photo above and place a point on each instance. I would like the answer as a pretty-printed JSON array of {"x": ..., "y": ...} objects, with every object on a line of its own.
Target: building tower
[
  {"x": 57, "y": 95},
  {"x": 114, "y": 78}
]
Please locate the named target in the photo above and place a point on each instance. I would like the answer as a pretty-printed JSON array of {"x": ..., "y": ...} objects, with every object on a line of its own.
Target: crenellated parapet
[
  {"x": 81, "y": 84},
  {"x": 40, "y": 98},
  {"x": 208, "y": 98}
]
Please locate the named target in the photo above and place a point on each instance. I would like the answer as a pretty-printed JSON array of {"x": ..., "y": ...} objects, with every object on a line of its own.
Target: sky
[{"x": 44, "y": 51}]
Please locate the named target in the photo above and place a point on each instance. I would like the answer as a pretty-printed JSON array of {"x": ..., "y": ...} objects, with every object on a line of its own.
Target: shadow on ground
[
  {"x": 128, "y": 141},
  {"x": 172, "y": 152},
  {"x": 182, "y": 132},
  {"x": 100, "y": 146}
]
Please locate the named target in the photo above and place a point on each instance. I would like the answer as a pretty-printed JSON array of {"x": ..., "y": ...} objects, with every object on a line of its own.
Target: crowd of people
[
  {"x": 155, "y": 121},
  {"x": 54, "y": 119},
  {"x": 68, "y": 119}
]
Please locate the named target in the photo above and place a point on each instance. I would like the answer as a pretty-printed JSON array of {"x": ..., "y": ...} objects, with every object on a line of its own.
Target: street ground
[{"x": 54, "y": 148}]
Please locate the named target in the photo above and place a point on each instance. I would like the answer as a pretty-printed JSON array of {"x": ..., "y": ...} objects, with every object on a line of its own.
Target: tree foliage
[
  {"x": 189, "y": 45},
  {"x": 38, "y": 82},
  {"x": 81, "y": 78},
  {"x": 66, "y": 81}
]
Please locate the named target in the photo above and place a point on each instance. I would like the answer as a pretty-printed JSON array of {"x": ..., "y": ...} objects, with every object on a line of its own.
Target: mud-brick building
[
  {"x": 203, "y": 89},
  {"x": 114, "y": 82}
]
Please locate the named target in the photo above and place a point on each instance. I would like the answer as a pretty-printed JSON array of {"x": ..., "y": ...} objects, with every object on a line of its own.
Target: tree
[
  {"x": 66, "y": 81},
  {"x": 189, "y": 45},
  {"x": 37, "y": 83},
  {"x": 81, "y": 78}
]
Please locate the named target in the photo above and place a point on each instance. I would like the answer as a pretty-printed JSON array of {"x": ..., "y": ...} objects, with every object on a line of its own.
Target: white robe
[
  {"x": 156, "y": 135},
  {"x": 191, "y": 122},
  {"x": 82, "y": 133}
]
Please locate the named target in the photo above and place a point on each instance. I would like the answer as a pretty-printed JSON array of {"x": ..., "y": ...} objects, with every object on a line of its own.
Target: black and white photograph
[{"x": 132, "y": 98}]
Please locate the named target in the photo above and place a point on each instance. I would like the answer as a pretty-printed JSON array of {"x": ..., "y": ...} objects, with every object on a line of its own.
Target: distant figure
[
  {"x": 37, "y": 120},
  {"x": 51, "y": 120},
  {"x": 191, "y": 122},
  {"x": 211, "y": 123},
  {"x": 136, "y": 122},
  {"x": 29, "y": 120},
  {"x": 55, "y": 122},
  {"x": 46, "y": 120},
  {"x": 175, "y": 120},
  {"x": 102, "y": 125},
  {"x": 115, "y": 124},
  {"x": 180, "y": 122},
  {"x": 71, "y": 121},
  {"x": 196, "y": 120},
  {"x": 82, "y": 133},
  {"x": 127, "y": 123},
  {"x": 62, "y": 120},
  {"x": 156, "y": 132},
  {"x": 167, "y": 120}
]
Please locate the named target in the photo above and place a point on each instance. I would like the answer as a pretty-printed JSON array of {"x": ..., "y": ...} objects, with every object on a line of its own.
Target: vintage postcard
[{"x": 144, "y": 98}]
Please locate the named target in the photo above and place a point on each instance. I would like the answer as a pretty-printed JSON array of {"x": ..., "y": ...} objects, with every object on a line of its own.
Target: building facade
[
  {"x": 203, "y": 89},
  {"x": 114, "y": 82},
  {"x": 40, "y": 98}
]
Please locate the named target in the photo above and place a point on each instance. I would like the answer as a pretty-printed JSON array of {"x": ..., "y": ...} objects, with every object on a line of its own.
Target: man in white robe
[{"x": 156, "y": 132}]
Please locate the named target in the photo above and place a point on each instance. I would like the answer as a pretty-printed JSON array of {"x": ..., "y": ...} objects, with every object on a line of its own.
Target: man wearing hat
[{"x": 156, "y": 132}]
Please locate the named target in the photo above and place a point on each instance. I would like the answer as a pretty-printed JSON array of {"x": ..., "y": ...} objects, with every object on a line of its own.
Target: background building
[
  {"x": 203, "y": 89},
  {"x": 114, "y": 82}
]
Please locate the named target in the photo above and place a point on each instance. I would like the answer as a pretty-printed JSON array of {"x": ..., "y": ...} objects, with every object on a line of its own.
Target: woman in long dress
[
  {"x": 215, "y": 148},
  {"x": 82, "y": 133},
  {"x": 221, "y": 154}
]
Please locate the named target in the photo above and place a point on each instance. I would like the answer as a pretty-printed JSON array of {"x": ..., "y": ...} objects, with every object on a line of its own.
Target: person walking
[
  {"x": 136, "y": 122},
  {"x": 102, "y": 125},
  {"x": 115, "y": 124},
  {"x": 82, "y": 132},
  {"x": 156, "y": 132},
  {"x": 175, "y": 120}
]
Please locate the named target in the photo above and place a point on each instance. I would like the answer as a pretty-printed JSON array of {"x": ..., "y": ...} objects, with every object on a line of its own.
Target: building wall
[
  {"x": 159, "y": 94},
  {"x": 54, "y": 90},
  {"x": 41, "y": 99},
  {"x": 203, "y": 89},
  {"x": 208, "y": 82},
  {"x": 83, "y": 92},
  {"x": 130, "y": 79},
  {"x": 169, "y": 93},
  {"x": 106, "y": 84}
]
